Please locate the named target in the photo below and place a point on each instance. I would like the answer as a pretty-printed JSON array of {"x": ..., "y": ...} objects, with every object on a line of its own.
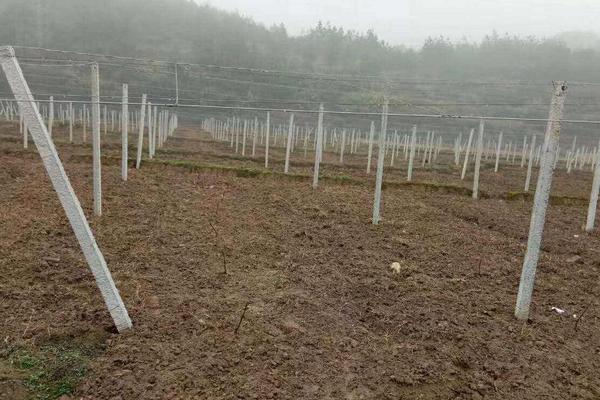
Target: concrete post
[
  {"x": 154, "y": 129},
  {"x": 96, "y": 140},
  {"x": 25, "y": 134},
  {"x": 105, "y": 119},
  {"x": 342, "y": 146},
  {"x": 394, "y": 145},
  {"x": 380, "y": 163},
  {"x": 236, "y": 128},
  {"x": 591, "y": 215},
  {"x": 51, "y": 116},
  {"x": 267, "y": 134},
  {"x": 370, "y": 151},
  {"x": 140, "y": 142},
  {"x": 318, "y": 147},
  {"x": 478, "y": 160},
  {"x": 288, "y": 147},
  {"x": 84, "y": 118},
  {"x": 63, "y": 189},
  {"x": 71, "y": 117},
  {"x": 498, "y": 152},
  {"x": 244, "y": 137},
  {"x": 413, "y": 149},
  {"x": 255, "y": 134},
  {"x": 524, "y": 152},
  {"x": 151, "y": 143},
  {"x": 530, "y": 163},
  {"x": 540, "y": 203},
  {"x": 467, "y": 151},
  {"x": 125, "y": 132}
]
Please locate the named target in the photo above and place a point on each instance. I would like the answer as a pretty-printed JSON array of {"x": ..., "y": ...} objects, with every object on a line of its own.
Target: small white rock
[
  {"x": 395, "y": 267},
  {"x": 558, "y": 310}
]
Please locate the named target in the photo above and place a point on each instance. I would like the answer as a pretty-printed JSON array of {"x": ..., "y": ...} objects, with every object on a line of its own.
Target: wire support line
[{"x": 301, "y": 111}]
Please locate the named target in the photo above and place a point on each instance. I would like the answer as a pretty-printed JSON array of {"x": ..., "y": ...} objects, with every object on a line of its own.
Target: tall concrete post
[{"x": 540, "y": 202}]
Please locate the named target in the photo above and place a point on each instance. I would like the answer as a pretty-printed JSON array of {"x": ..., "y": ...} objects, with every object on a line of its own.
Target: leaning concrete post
[
  {"x": 413, "y": 148},
  {"x": 380, "y": 161},
  {"x": 318, "y": 147},
  {"x": 478, "y": 160},
  {"x": 125, "y": 132},
  {"x": 591, "y": 215},
  {"x": 540, "y": 203},
  {"x": 140, "y": 142},
  {"x": 96, "y": 140},
  {"x": 288, "y": 147},
  {"x": 530, "y": 163},
  {"x": 467, "y": 151},
  {"x": 370, "y": 151},
  {"x": 63, "y": 189},
  {"x": 498, "y": 152}
]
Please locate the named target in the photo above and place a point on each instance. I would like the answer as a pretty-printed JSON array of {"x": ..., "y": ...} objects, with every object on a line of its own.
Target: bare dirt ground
[{"x": 326, "y": 318}]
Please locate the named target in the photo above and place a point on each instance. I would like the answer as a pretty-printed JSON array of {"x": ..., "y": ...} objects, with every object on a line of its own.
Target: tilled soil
[{"x": 325, "y": 316}]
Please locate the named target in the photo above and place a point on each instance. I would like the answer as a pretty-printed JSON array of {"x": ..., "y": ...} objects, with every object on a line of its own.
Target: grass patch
[
  {"x": 51, "y": 371},
  {"x": 55, "y": 368},
  {"x": 554, "y": 199}
]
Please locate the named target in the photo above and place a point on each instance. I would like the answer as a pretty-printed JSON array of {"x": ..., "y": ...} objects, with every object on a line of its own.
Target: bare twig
[
  {"x": 218, "y": 237},
  {"x": 585, "y": 310},
  {"x": 241, "y": 319},
  {"x": 582, "y": 313}
]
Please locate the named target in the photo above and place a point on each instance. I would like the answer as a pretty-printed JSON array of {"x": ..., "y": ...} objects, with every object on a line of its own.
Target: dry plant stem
[
  {"x": 218, "y": 237},
  {"x": 237, "y": 328}
]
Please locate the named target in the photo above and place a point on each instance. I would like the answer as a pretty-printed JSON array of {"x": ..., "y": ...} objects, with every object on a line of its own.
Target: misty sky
[{"x": 409, "y": 22}]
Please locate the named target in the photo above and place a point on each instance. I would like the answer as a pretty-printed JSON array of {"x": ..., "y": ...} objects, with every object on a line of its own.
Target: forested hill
[
  {"x": 441, "y": 77},
  {"x": 186, "y": 31}
]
